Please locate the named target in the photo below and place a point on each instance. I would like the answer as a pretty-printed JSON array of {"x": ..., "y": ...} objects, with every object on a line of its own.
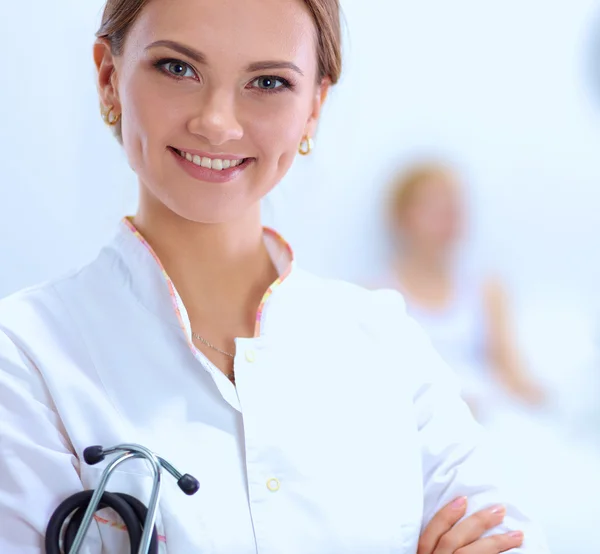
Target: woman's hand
[{"x": 444, "y": 536}]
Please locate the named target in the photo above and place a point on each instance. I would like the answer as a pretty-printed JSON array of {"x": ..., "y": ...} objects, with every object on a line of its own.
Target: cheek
[
  {"x": 149, "y": 117},
  {"x": 277, "y": 125},
  {"x": 451, "y": 217},
  {"x": 148, "y": 113},
  {"x": 418, "y": 216},
  {"x": 137, "y": 119}
]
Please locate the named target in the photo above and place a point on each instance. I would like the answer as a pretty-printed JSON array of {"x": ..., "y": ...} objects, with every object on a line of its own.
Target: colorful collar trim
[{"x": 281, "y": 254}]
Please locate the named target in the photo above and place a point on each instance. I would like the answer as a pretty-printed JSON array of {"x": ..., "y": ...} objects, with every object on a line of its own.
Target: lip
[{"x": 211, "y": 175}]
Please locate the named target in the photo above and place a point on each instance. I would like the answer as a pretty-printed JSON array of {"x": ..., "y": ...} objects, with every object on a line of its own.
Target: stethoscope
[{"x": 139, "y": 520}]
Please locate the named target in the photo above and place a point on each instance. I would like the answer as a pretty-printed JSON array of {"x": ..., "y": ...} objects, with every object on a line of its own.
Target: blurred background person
[{"x": 463, "y": 309}]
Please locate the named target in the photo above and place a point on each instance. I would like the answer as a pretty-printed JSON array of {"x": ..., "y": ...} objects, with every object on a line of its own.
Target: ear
[
  {"x": 321, "y": 92},
  {"x": 107, "y": 75}
]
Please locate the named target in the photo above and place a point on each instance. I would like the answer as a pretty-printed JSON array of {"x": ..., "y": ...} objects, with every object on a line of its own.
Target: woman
[
  {"x": 465, "y": 315},
  {"x": 315, "y": 415},
  {"x": 463, "y": 312}
]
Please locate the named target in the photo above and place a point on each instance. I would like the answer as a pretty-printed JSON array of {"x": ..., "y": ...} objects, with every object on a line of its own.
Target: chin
[
  {"x": 211, "y": 213},
  {"x": 205, "y": 202}
]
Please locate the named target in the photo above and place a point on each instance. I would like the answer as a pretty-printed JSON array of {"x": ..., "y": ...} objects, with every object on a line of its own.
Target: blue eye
[
  {"x": 178, "y": 69},
  {"x": 269, "y": 83}
]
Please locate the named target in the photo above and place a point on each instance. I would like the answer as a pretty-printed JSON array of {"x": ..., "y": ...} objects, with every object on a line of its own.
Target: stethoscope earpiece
[
  {"x": 188, "y": 484},
  {"x": 93, "y": 455}
]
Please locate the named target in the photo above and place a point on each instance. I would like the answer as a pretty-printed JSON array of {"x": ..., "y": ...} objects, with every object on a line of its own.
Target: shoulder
[
  {"x": 376, "y": 310},
  {"x": 493, "y": 287},
  {"x": 378, "y": 321},
  {"x": 25, "y": 306},
  {"x": 336, "y": 290},
  {"x": 481, "y": 279},
  {"x": 27, "y": 318},
  {"x": 36, "y": 313}
]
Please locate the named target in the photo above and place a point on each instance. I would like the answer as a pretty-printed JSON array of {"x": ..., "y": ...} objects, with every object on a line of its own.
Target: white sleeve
[
  {"x": 38, "y": 469},
  {"x": 455, "y": 462}
]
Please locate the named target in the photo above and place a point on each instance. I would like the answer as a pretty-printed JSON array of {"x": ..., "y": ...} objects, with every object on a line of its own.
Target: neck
[
  {"x": 220, "y": 270},
  {"x": 426, "y": 277},
  {"x": 427, "y": 264},
  {"x": 427, "y": 260}
]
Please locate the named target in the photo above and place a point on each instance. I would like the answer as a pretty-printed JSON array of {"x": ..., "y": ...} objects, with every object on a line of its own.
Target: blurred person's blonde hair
[{"x": 406, "y": 184}]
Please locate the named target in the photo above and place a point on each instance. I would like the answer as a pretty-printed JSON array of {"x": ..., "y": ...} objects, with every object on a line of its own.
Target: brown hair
[
  {"x": 120, "y": 15},
  {"x": 407, "y": 183}
]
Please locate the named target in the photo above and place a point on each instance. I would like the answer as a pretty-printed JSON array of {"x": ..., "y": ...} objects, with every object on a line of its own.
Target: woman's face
[
  {"x": 231, "y": 84},
  {"x": 433, "y": 218}
]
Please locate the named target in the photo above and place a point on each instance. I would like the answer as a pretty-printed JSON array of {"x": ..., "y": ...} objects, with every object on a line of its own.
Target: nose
[{"x": 216, "y": 119}]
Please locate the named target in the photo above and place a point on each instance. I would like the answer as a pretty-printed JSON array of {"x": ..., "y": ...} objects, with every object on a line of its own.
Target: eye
[
  {"x": 178, "y": 69},
  {"x": 269, "y": 83}
]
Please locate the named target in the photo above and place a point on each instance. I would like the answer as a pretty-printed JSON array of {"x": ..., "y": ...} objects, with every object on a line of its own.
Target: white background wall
[{"x": 502, "y": 88}]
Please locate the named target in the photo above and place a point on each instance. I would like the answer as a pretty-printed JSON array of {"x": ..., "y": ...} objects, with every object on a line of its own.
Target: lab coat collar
[{"x": 149, "y": 282}]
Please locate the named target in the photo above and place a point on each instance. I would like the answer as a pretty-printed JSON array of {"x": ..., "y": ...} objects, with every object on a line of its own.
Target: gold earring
[
  {"x": 306, "y": 146},
  {"x": 109, "y": 117}
]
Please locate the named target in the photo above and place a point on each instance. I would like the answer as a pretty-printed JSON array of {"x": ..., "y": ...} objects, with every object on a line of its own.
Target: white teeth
[{"x": 208, "y": 163}]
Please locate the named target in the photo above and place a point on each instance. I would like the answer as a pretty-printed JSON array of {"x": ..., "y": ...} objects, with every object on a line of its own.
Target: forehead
[
  {"x": 440, "y": 187},
  {"x": 233, "y": 30}
]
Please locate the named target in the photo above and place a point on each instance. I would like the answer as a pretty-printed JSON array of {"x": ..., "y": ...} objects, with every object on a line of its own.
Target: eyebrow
[
  {"x": 261, "y": 66},
  {"x": 199, "y": 57},
  {"x": 181, "y": 48}
]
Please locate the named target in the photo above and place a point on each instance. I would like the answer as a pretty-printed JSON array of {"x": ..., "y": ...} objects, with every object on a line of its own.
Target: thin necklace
[
  {"x": 230, "y": 376},
  {"x": 210, "y": 345}
]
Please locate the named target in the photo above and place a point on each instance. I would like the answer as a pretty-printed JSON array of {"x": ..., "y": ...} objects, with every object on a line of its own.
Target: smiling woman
[
  {"x": 261, "y": 96},
  {"x": 195, "y": 334}
]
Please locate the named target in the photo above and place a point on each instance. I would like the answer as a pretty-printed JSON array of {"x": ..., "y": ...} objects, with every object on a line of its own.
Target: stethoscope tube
[
  {"x": 127, "y": 507},
  {"x": 139, "y": 520},
  {"x": 133, "y": 504}
]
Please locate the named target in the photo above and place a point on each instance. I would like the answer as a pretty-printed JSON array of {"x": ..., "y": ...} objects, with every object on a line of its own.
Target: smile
[
  {"x": 211, "y": 169},
  {"x": 217, "y": 164}
]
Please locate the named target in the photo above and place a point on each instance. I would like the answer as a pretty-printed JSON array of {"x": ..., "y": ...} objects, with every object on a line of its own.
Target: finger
[
  {"x": 494, "y": 545},
  {"x": 441, "y": 523},
  {"x": 470, "y": 529}
]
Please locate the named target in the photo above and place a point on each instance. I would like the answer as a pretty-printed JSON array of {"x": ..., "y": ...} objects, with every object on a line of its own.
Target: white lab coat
[{"x": 345, "y": 433}]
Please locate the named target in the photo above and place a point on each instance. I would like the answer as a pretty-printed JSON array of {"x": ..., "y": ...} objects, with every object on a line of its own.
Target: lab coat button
[
  {"x": 273, "y": 484},
  {"x": 250, "y": 356}
]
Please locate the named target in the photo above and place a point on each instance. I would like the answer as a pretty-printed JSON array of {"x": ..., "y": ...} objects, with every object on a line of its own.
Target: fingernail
[
  {"x": 497, "y": 510},
  {"x": 516, "y": 535},
  {"x": 459, "y": 502}
]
